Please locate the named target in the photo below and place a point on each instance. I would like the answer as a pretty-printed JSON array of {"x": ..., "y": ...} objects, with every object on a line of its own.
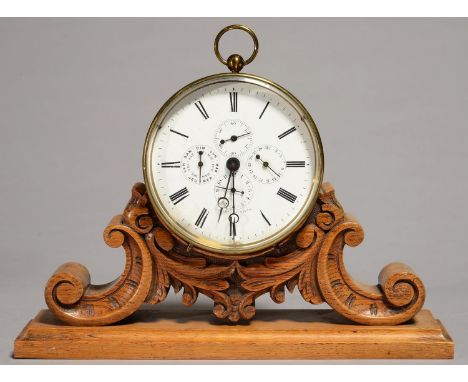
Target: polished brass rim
[
  {"x": 239, "y": 27},
  {"x": 203, "y": 243}
]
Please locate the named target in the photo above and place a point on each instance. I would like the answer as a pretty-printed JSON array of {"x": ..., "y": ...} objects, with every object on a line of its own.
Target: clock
[
  {"x": 233, "y": 207},
  {"x": 233, "y": 162}
]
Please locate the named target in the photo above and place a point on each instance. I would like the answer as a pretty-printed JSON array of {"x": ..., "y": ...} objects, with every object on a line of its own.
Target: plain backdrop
[{"x": 389, "y": 96}]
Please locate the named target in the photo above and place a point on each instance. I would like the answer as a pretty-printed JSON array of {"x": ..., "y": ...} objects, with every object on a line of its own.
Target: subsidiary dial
[
  {"x": 233, "y": 137},
  {"x": 200, "y": 164},
  {"x": 243, "y": 190},
  {"x": 266, "y": 164}
]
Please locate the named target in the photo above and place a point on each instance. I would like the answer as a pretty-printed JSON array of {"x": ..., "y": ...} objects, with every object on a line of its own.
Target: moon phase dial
[
  {"x": 200, "y": 164},
  {"x": 233, "y": 137},
  {"x": 266, "y": 164}
]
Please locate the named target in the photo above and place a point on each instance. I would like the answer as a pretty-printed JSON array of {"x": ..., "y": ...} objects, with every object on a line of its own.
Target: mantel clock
[{"x": 233, "y": 207}]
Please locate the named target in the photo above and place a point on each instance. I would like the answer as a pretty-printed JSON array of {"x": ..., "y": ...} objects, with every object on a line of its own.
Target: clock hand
[
  {"x": 200, "y": 165},
  {"x": 232, "y": 165},
  {"x": 233, "y": 138},
  {"x": 233, "y": 189},
  {"x": 233, "y": 218},
  {"x": 226, "y": 188},
  {"x": 223, "y": 202},
  {"x": 267, "y": 165}
]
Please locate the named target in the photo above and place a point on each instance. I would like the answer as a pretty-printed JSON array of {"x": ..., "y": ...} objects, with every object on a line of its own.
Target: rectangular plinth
[{"x": 273, "y": 334}]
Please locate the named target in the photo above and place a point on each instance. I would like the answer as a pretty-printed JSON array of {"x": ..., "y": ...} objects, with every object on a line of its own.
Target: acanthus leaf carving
[{"x": 310, "y": 259}]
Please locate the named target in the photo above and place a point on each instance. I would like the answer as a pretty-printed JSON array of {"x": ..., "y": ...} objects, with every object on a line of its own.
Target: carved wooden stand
[{"x": 312, "y": 260}]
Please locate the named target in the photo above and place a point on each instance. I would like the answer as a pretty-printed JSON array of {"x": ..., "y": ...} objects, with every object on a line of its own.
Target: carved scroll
[
  {"x": 397, "y": 298},
  {"x": 311, "y": 259},
  {"x": 73, "y": 299}
]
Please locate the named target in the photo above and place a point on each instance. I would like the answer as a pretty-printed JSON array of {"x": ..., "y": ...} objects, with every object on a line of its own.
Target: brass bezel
[{"x": 201, "y": 242}]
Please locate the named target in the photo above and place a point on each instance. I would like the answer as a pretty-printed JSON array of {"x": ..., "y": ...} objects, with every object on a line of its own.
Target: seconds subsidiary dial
[{"x": 233, "y": 164}]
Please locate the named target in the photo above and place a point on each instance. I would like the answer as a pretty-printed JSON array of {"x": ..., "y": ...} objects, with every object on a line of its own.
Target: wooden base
[
  {"x": 275, "y": 334},
  {"x": 310, "y": 260}
]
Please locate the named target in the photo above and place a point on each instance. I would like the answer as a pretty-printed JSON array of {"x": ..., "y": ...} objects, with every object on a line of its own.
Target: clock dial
[
  {"x": 233, "y": 163},
  {"x": 266, "y": 164},
  {"x": 233, "y": 137},
  {"x": 243, "y": 190},
  {"x": 199, "y": 164}
]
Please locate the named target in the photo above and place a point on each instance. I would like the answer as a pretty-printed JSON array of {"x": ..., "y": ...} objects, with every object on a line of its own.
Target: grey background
[{"x": 389, "y": 96}]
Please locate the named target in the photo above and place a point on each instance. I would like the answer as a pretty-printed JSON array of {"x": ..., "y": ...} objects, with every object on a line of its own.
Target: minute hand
[
  {"x": 267, "y": 165},
  {"x": 243, "y": 135},
  {"x": 233, "y": 138},
  {"x": 233, "y": 218}
]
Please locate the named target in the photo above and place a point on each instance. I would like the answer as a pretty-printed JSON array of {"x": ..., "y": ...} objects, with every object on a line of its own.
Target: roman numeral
[
  {"x": 201, "y": 109},
  {"x": 295, "y": 163},
  {"x": 201, "y": 218},
  {"x": 170, "y": 164},
  {"x": 176, "y": 132},
  {"x": 287, "y": 132},
  {"x": 178, "y": 196},
  {"x": 233, "y": 98},
  {"x": 287, "y": 195},
  {"x": 264, "y": 217},
  {"x": 261, "y": 115}
]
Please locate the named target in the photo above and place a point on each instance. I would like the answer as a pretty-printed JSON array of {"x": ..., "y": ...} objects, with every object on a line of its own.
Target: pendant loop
[{"x": 235, "y": 62}]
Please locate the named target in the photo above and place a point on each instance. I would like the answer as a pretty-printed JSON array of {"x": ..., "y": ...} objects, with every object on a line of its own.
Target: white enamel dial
[{"x": 233, "y": 163}]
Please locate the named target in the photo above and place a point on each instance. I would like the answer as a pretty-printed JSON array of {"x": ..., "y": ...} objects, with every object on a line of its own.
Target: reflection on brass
[{"x": 235, "y": 62}]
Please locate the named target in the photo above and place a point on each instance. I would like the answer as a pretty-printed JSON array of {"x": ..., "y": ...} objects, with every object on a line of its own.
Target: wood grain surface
[
  {"x": 311, "y": 259},
  {"x": 274, "y": 334}
]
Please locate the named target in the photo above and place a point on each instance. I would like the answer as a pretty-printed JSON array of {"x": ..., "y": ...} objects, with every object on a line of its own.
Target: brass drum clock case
[{"x": 200, "y": 243}]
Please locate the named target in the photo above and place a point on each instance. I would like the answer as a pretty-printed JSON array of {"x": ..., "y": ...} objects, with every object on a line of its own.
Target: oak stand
[{"x": 311, "y": 259}]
